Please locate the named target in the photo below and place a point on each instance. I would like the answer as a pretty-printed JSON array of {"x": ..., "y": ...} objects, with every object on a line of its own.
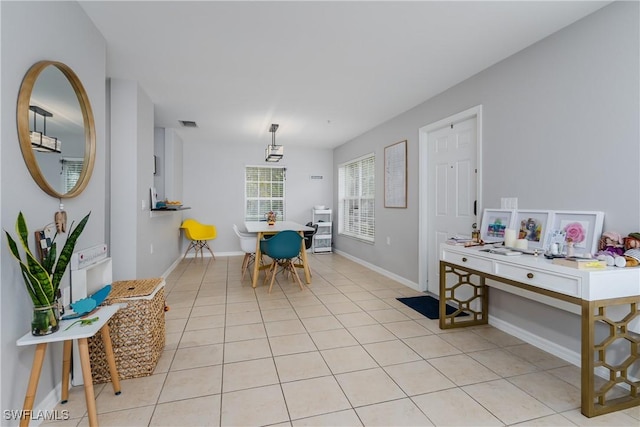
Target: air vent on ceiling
[{"x": 188, "y": 123}]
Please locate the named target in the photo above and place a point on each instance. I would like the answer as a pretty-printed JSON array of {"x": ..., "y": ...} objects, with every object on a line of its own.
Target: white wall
[
  {"x": 77, "y": 43},
  {"x": 214, "y": 184},
  {"x": 561, "y": 130},
  {"x": 143, "y": 244}
]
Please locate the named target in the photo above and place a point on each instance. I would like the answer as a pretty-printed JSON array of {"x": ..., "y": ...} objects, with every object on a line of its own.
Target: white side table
[{"x": 79, "y": 333}]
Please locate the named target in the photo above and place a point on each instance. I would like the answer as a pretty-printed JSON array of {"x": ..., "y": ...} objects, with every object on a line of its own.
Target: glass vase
[{"x": 46, "y": 320}]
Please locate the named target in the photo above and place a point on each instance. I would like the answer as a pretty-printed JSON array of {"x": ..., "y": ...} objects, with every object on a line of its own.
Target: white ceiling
[{"x": 325, "y": 71}]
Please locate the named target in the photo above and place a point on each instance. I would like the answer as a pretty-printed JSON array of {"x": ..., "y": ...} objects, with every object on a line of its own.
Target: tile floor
[{"x": 343, "y": 352}]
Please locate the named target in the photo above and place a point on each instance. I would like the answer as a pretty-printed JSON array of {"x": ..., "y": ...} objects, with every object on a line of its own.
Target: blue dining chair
[{"x": 282, "y": 248}]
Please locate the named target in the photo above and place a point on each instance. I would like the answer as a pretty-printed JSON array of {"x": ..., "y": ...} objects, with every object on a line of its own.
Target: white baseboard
[{"x": 382, "y": 271}]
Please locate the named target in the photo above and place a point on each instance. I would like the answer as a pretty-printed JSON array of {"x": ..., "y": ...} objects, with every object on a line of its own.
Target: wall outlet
[
  {"x": 509, "y": 203},
  {"x": 388, "y": 240},
  {"x": 142, "y": 205},
  {"x": 150, "y": 248}
]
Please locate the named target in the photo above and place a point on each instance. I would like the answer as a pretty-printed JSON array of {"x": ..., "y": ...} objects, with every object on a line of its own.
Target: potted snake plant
[{"x": 42, "y": 279}]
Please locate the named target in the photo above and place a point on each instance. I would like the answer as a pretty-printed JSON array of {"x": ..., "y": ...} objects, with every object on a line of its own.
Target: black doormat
[{"x": 427, "y": 306}]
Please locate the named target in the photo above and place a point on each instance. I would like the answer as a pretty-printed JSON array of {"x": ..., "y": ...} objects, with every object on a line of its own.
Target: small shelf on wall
[{"x": 171, "y": 209}]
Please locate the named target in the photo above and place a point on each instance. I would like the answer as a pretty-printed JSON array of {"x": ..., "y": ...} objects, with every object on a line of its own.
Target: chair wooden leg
[
  {"x": 245, "y": 264},
  {"x": 295, "y": 274},
  {"x": 206, "y": 245},
  {"x": 273, "y": 275}
]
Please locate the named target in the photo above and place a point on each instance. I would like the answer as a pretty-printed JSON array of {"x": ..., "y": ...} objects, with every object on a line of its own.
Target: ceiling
[{"x": 326, "y": 72}]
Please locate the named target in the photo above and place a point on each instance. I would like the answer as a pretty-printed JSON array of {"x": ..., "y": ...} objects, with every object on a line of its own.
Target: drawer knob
[
  {"x": 464, "y": 259},
  {"x": 530, "y": 275}
]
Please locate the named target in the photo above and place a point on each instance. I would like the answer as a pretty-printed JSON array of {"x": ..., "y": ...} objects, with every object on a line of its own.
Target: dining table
[{"x": 262, "y": 228}]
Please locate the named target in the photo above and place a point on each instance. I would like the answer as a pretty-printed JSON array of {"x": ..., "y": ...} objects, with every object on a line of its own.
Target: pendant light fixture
[
  {"x": 39, "y": 140},
  {"x": 274, "y": 152}
]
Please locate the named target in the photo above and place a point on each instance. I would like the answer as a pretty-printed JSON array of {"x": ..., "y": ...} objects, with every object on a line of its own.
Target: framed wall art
[
  {"x": 395, "y": 175},
  {"x": 583, "y": 228},
  {"x": 532, "y": 225},
  {"x": 494, "y": 222}
]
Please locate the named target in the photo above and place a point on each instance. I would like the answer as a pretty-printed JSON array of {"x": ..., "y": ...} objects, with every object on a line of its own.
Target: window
[
  {"x": 356, "y": 197},
  {"x": 71, "y": 170},
  {"x": 263, "y": 192}
]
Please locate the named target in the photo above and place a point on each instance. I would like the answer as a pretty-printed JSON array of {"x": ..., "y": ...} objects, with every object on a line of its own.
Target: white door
[{"x": 451, "y": 183}]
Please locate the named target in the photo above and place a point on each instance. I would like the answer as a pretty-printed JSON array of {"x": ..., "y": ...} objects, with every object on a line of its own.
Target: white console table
[{"x": 464, "y": 285}]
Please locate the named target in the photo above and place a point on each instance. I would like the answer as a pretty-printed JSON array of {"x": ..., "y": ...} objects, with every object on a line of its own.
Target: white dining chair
[{"x": 248, "y": 243}]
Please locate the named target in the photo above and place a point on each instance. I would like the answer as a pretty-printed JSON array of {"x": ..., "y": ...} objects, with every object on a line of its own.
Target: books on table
[{"x": 580, "y": 263}]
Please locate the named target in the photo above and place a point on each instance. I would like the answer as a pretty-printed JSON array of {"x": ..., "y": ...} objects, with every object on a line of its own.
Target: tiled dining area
[{"x": 343, "y": 352}]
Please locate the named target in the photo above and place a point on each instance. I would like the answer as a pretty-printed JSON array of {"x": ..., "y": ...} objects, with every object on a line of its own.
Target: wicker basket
[{"x": 137, "y": 331}]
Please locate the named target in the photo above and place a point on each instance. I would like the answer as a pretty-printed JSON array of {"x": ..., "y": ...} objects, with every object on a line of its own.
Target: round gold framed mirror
[{"x": 56, "y": 129}]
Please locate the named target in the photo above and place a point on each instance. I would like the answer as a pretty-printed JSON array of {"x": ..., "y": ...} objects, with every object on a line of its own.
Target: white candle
[
  {"x": 509, "y": 237},
  {"x": 522, "y": 244}
]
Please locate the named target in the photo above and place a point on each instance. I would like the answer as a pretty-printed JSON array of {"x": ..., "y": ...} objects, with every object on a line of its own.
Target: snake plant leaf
[
  {"x": 43, "y": 286},
  {"x": 49, "y": 260},
  {"x": 36, "y": 291},
  {"x": 67, "y": 251}
]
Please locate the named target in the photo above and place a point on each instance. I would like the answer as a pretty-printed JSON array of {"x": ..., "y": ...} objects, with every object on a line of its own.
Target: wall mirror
[{"x": 56, "y": 129}]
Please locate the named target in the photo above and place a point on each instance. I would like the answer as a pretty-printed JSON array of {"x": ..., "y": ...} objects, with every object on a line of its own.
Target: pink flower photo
[{"x": 576, "y": 232}]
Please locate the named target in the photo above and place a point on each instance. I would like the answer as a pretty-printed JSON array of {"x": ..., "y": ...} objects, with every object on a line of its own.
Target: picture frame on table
[
  {"x": 532, "y": 225},
  {"x": 494, "y": 222},
  {"x": 584, "y": 228}
]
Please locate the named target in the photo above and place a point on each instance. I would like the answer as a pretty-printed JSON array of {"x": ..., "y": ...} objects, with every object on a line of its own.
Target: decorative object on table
[
  {"x": 632, "y": 241},
  {"x": 582, "y": 227},
  {"x": 84, "y": 306},
  {"x": 494, "y": 223},
  {"x": 532, "y": 225},
  {"x": 60, "y": 219},
  {"x": 270, "y": 217},
  {"x": 42, "y": 280},
  {"x": 475, "y": 233},
  {"x": 580, "y": 263},
  {"x": 632, "y": 256}
]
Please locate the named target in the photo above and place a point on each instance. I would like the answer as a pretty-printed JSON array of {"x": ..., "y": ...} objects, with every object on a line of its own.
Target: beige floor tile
[
  {"x": 136, "y": 392},
  {"x": 196, "y": 357},
  {"x": 312, "y": 311},
  {"x": 301, "y": 366},
  {"x": 202, "y": 337},
  {"x": 343, "y": 307},
  {"x": 205, "y": 322},
  {"x": 373, "y": 304},
  {"x": 496, "y": 336},
  {"x": 172, "y": 340},
  {"x": 279, "y": 314},
  {"x": 246, "y": 350},
  {"x": 174, "y": 325},
  {"x": 347, "y": 418},
  {"x": 371, "y": 333},
  {"x": 208, "y": 310},
  {"x": 333, "y": 339},
  {"x": 191, "y": 383},
  {"x": 243, "y": 318},
  {"x": 361, "y": 295},
  {"x": 199, "y": 411},
  {"x": 463, "y": 370},
  {"x": 618, "y": 419},
  {"x": 272, "y": 304},
  {"x": 181, "y": 299},
  {"x": 253, "y": 407},
  {"x": 503, "y": 362},
  {"x": 407, "y": 329},
  {"x": 333, "y": 298},
  {"x": 302, "y": 397},
  {"x": 350, "y": 320},
  {"x": 401, "y": 412},
  {"x": 418, "y": 377},
  {"x": 369, "y": 386},
  {"x": 391, "y": 352},
  {"x": 128, "y": 417},
  {"x": 178, "y": 313},
  {"x": 249, "y": 374},
  {"x": 210, "y": 300},
  {"x": 164, "y": 362},
  {"x": 454, "y": 407},
  {"x": 347, "y": 359},
  {"x": 467, "y": 341},
  {"x": 431, "y": 346},
  {"x": 244, "y": 332},
  {"x": 388, "y": 316},
  {"x": 550, "y": 390},
  {"x": 323, "y": 323},
  {"x": 289, "y": 344},
  {"x": 284, "y": 327},
  {"x": 534, "y": 355},
  {"x": 507, "y": 402}
]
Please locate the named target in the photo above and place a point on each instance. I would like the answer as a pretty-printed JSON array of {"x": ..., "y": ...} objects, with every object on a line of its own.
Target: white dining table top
[{"x": 263, "y": 226}]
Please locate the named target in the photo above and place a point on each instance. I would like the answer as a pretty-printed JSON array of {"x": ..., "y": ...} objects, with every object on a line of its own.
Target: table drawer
[
  {"x": 469, "y": 261},
  {"x": 544, "y": 280}
]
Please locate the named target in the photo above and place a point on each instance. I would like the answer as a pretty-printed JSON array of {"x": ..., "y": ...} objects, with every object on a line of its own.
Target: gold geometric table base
[{"x": 603, "y": 337}]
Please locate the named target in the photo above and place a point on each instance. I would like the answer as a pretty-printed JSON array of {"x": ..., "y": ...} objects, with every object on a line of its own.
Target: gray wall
[
  {"x": 77, "y": 43},
  {"x": 560, "y": 131}
]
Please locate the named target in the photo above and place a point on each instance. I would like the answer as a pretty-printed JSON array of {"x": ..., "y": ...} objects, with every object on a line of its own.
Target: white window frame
[
  {"x": 280, "y": 213},
  {"x": 360, "y": 226}
]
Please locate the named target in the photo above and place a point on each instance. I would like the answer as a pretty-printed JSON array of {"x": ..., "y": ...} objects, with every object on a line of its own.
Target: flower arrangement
[{"x": 42, "y": 279}]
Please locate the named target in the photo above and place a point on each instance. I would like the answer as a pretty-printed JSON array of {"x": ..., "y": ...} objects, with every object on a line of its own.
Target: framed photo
[
  {"x": 583, "y": 228},
  {"x": 532, "y": 225},
  {"x": 395, "y": 175},
  {"x": 494, "y": 222}
]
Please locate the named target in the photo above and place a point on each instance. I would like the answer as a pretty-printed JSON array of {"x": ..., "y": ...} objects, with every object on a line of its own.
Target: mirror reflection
[{"x": 56, "y": 129}]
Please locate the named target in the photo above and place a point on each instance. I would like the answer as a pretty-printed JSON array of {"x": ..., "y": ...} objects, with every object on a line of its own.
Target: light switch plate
[{"x": 509, "y": 203}]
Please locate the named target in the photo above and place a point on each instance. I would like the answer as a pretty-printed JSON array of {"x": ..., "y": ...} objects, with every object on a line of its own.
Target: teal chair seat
[{"x": 282, "y": 248}]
